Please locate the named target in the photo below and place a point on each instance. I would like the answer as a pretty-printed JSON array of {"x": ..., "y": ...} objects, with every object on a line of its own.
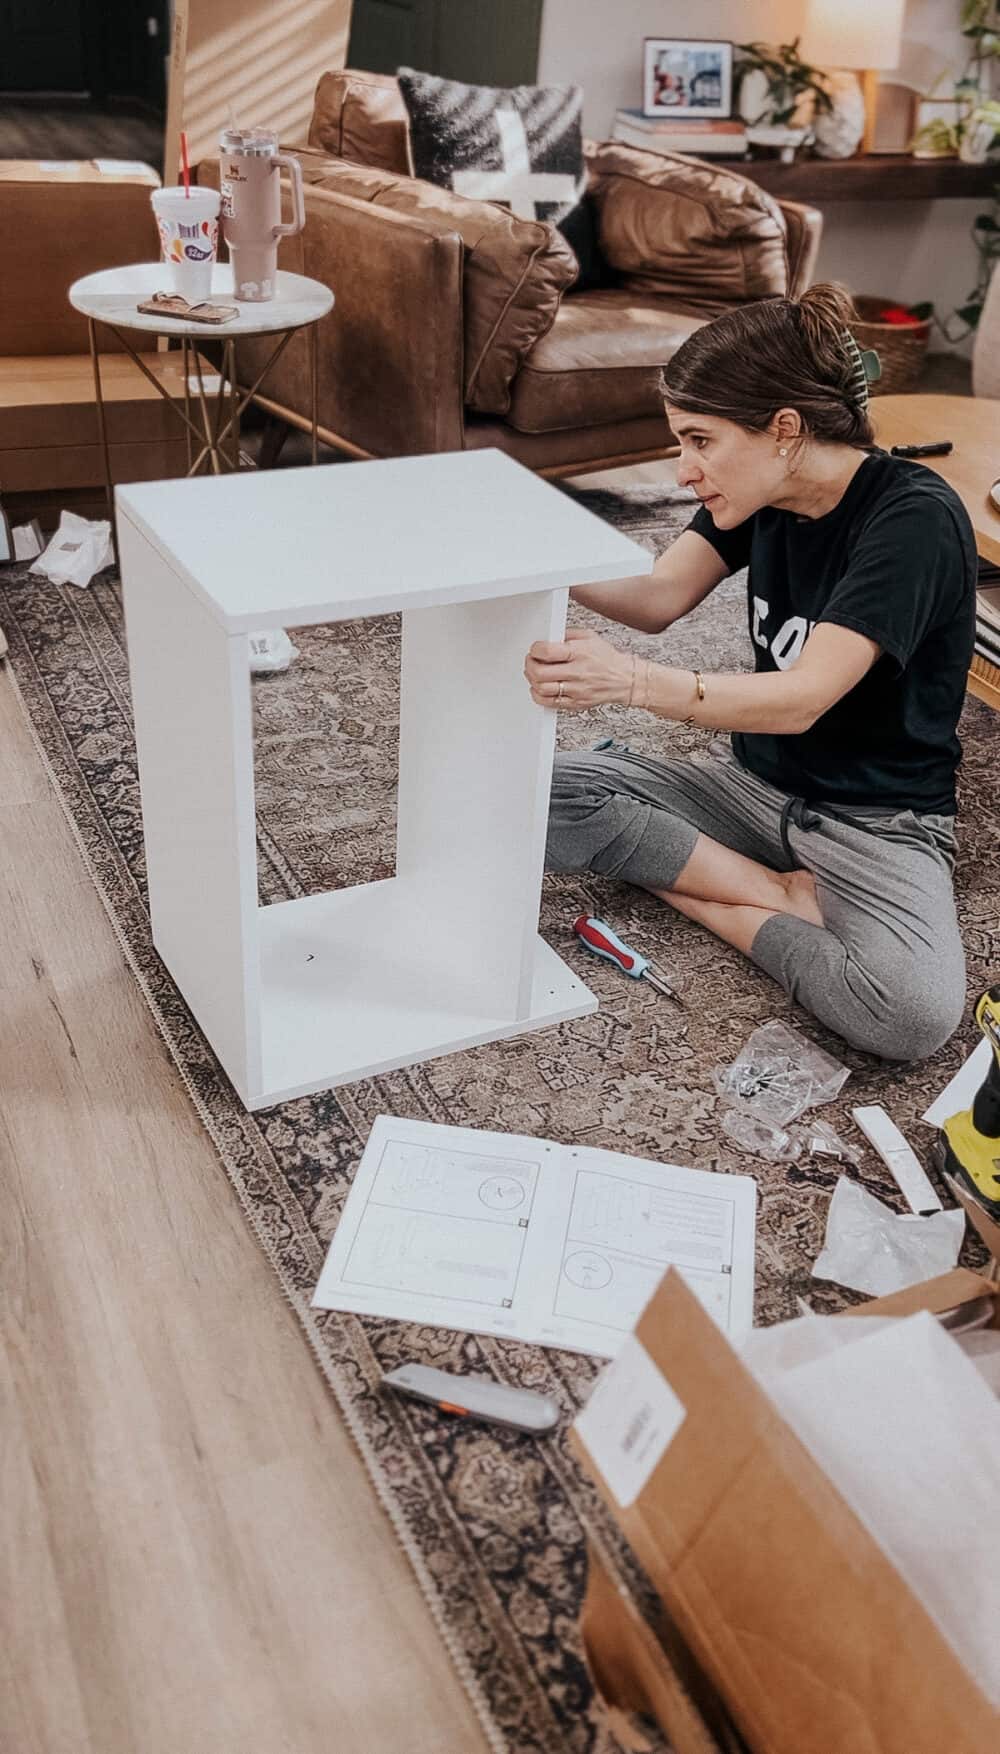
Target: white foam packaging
[{"x": 908, "y": 1430}]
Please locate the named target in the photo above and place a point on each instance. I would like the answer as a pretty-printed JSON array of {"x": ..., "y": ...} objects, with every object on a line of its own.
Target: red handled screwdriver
[{"x": 600, "y": 939}]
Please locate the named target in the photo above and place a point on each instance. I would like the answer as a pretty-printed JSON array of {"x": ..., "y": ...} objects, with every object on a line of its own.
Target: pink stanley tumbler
[{"x": 251, "y": 208}]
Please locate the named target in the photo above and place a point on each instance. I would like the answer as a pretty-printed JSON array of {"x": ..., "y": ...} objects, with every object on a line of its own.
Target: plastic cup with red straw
[{"x": 188, "y": 222}]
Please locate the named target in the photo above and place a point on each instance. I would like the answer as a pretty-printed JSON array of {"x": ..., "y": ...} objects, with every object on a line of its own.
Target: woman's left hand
[{"x": 581, "y": 671}]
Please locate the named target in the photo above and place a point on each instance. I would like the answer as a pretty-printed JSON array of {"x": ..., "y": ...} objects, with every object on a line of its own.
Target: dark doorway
[
  {"x": 486, "y": 42},
  {"x": 43, "y": 46},
  {"x": 83, "y": 79},
  {"x": 97, "y": 49},
  {"x": 131, "y": 41}
]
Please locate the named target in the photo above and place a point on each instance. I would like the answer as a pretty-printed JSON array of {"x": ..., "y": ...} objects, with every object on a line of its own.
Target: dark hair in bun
[{"x": 778, "y": 353}]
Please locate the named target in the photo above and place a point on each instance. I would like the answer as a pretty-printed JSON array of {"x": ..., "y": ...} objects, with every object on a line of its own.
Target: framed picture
[{"x": 685, "y": 76}]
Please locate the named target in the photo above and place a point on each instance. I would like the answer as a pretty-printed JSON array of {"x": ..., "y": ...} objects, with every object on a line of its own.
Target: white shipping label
[
  {"x": 122, "y": 167},
  {"x": 631, "y": 1417}
]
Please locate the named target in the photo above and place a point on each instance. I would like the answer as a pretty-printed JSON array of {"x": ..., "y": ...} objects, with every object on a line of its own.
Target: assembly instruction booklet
[{"x": 558, "y": 1245}]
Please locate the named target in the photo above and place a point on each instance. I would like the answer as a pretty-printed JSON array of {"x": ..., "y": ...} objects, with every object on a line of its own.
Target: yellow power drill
[{"x": 972, "y": 1150}]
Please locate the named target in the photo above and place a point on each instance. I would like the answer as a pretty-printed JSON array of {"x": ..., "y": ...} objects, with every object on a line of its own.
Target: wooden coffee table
[{"x": 973, "y": 425}]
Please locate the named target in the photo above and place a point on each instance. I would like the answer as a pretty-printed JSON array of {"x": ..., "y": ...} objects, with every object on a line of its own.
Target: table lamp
[{"x": 863, "y": 36}]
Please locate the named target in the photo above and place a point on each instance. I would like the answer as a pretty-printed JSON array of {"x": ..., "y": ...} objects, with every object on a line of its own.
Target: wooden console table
[
  {"x": 973, "y": 425},
  {"x": 885, "y": 176}
]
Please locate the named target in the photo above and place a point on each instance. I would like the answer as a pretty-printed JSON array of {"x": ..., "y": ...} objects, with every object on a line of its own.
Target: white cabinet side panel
[
  {"x": 191, "y": 697},
  {"x": 475, "y": 767}
]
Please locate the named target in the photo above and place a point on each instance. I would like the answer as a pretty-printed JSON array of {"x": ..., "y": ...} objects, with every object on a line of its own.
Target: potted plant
[
  {"x": 779, "y": 94},
  {"x": 966, "y": 122},
  {"x": 980, "y": 133},
  {"x": 981, "y": 25},
  {"x": 986, "y": 237},
  {"x": 975, "y": 135}
]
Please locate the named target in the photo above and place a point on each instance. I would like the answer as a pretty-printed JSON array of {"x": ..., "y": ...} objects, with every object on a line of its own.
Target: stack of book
[
  {"x": 703, "y": 138},
  {"x": 988, "y": 615}
]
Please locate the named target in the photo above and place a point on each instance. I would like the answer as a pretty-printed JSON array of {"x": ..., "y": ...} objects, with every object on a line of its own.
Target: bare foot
[{"x": 800, "y": 887}]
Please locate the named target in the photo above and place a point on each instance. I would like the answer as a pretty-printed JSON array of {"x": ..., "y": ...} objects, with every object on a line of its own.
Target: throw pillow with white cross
[
  {"x": 520, "y": 147},
  {"x": 519, "y": 187}
]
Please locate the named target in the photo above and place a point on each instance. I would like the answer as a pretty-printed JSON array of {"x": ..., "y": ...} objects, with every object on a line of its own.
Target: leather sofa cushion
[
  {"x": 600, "y": 361},
  {"x": 702, "y": 236},
  {"x": 559, "y": 453},
  {"x": 515, "y": 271},
  {"x": 362, "y": 117}
]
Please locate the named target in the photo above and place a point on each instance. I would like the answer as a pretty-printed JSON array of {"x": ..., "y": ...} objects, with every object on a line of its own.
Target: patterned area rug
[{"x": 493, "y": 1524}]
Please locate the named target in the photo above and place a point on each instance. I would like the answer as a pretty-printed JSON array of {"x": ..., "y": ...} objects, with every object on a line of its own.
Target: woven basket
[{"x": 900, "y": 348}]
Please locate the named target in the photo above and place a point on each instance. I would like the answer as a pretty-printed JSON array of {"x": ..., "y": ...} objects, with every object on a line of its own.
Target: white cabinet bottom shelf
[{"x": 351, "y": 985}]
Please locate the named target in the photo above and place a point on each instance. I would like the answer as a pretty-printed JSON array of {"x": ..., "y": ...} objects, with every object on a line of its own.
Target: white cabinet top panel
[{"x": 287, "y": 547}]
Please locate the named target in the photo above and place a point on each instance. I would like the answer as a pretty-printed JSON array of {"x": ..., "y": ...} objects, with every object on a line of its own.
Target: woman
[{"x": 821, "y": 844}]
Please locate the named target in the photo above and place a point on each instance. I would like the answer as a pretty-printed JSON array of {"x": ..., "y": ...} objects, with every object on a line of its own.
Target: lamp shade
[{"x": 853, "y": 33}]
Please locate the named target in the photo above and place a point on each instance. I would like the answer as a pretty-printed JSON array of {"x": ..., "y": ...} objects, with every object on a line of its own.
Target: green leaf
[
  {"x": 969, "y": 314},
  {"x": 922, "y": 310},
  {"x": 975, "y": 16}
]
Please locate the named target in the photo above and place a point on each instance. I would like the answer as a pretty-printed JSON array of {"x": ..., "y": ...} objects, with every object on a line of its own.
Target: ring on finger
[{"x": 559, "y": 691}]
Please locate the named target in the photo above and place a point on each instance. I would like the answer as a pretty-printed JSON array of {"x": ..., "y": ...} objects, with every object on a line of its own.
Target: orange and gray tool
[
  {"x": 602, "y": 941},
  {"x": 475, "y": 1397}
]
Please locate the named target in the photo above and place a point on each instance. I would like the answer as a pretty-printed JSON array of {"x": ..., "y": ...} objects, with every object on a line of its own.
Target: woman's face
[{"x": 734, "y": 472}]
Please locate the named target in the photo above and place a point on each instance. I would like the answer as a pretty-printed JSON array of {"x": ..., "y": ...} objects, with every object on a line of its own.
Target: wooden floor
[
  {"x": 193, "y": 1561},
  {"x": 68, "y": 128}
]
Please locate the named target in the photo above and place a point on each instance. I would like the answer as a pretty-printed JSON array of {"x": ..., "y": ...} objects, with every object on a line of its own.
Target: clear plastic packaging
[
  {"x": 821, "y": 1140},
  {"x": 751, "y": 1133},
  {"x": 870, "y": 1249},
  {"x": 778, "y": 1075},
  {"x": 771, "y": 1090}
]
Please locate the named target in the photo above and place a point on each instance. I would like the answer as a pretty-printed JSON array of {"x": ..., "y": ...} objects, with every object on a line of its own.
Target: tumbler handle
[{"x": 298, "y": 219}]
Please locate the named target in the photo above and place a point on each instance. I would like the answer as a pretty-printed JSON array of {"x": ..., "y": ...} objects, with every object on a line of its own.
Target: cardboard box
[
  {"x": 49, "y": 437},
  {"x": 63, "y": 221},
  {"x": 786, "y": 1629}
]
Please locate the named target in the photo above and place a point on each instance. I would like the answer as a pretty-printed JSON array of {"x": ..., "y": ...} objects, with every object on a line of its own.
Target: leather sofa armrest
[
  {"x": 362, "y": 117},
  {"x": 804, "y": 226},
  {"x": 390, "y": 352}
]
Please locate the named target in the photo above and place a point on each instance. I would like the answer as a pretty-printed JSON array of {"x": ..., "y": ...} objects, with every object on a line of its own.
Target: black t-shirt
[{"x": 895, "y": 560}]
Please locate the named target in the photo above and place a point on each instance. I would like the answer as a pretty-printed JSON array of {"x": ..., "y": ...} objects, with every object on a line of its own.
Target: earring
[{"x": 782, "y": 450}]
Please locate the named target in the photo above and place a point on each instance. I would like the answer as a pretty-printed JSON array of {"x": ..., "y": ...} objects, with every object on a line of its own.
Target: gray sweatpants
[{"x": 886, "y": 970}]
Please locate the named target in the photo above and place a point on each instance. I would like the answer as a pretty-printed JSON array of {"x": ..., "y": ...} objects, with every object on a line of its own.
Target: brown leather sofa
[{"x": 458, "y": 325}]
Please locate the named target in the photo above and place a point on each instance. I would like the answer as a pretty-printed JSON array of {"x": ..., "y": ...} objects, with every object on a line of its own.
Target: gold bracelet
[{"x": 699, "y": 683}]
